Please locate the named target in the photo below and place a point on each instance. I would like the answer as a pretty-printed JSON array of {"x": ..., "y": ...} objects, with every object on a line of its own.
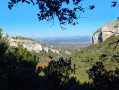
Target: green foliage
[
  {"x": 0, "y": 33},
  {"x": 97, "y": 51},
  {"x": 108, "y": 52},
  {"x": 49, "y": 9},
  {"x": 15, "y": 72},
  {"x": 3, "y": 45},
  {"x": 13, "y": 53},
  {"x": 20, "y": 53},
  {"x": 57, "y": 74},
  {"x": 102, "y": 52},
  {"x": 103, "y": 79}
]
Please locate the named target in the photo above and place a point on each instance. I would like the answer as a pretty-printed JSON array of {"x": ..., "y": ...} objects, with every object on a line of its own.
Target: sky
[{"x": 22, "y": 20}]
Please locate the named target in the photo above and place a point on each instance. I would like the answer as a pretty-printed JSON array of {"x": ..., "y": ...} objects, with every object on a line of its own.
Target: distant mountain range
[{"x": 66, "y": 38}]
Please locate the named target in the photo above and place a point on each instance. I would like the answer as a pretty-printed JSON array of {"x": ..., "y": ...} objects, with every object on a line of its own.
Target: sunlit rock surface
[
  {"x": 109, "y": 29},
  {"x": 31, "y": 45}
]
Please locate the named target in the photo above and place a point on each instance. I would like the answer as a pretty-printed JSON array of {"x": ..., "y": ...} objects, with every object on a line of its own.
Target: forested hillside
[{"x": 104, "y": 52}]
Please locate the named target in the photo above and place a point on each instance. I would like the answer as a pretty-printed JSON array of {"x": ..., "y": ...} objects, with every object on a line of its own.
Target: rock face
[
  {"x": 109, "y": 29},
  {"x": 67, "y": 52},
  {"x": 31, "y": 45}
]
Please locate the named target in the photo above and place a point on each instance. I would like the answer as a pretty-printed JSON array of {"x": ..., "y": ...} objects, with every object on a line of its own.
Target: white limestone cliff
[
  {"x": 109, "y": 29},
  {"x": 31, "y": 45}
]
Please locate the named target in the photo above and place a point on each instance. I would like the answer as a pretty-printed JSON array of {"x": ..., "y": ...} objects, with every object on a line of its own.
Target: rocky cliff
[
  {"x": 109, "y": 29},
  {"x": 31, "y": 45}
]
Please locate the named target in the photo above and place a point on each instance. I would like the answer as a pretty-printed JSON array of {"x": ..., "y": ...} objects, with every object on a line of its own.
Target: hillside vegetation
[{"x": 104, "y": 52}]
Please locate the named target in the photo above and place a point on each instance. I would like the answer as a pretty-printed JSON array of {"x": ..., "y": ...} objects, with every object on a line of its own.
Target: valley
[
  {"x": 84, "y": 54},
  {"x": 69, "y": 44},
  {"x": 59, "y": 45},
  {"x": 64, "y": 59}
]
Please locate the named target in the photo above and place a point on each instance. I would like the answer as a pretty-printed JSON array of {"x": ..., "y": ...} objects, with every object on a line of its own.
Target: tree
[
  {"x": 48, "y": 9},
  {"x": 114, "y": 3},
  {"x": 57, "y": 75},
  {"x": 17, "y": 71},
  {"x": 103, "y": 79},
  {"x": 3, "y": 45}
]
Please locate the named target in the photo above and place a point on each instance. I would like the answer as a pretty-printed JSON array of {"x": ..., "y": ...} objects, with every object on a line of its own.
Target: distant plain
[{"x": 68, "y": 42}]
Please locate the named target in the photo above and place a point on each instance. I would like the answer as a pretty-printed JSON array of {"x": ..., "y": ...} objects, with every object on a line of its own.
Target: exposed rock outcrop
[
  {"x": 67, "y": 52},
  {"x": 109, "y": 29},
  {"x": 31, "y": 45}
]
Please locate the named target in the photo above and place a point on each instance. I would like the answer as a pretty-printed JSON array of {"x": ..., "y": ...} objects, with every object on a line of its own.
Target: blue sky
[{"x": 22, "y": 20}]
